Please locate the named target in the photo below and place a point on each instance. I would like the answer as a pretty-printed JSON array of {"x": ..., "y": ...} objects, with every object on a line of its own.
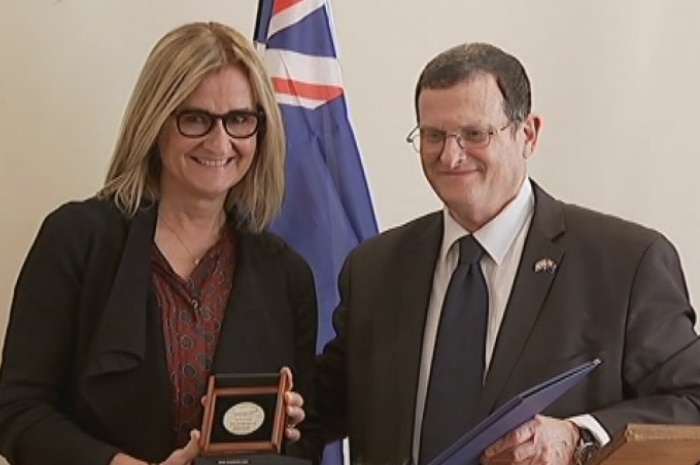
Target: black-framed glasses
[
  {"x": 238, "y": 124},
  {"x": 432, "y": 141}
]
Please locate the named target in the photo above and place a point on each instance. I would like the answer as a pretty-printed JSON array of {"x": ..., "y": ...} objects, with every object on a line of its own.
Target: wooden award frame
[{"x": 244, "y": 414}]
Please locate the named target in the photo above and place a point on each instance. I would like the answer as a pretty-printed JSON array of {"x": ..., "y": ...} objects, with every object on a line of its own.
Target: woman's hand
[
  {"x": 293, "y": 403},
  {"x": 184, "y": 456},
  {"x": 187, "y": 454}
]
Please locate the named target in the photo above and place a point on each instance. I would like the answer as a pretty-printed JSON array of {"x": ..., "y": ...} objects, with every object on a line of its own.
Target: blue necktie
[{"x": 457, "y": 369}]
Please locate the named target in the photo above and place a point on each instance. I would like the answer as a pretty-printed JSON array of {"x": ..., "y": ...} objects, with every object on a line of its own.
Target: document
[{"x": 520, "y": 409}]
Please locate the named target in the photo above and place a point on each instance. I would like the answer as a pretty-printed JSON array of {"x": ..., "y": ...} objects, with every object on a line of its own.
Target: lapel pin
[{"x": 545, "y": 264}]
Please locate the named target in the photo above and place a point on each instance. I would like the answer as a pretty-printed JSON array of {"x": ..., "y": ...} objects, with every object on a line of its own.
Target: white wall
[{"x": 617, "y": 82}]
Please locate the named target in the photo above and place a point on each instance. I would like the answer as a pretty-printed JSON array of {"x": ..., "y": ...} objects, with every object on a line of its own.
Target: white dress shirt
[{"x": 503, "y": 239}]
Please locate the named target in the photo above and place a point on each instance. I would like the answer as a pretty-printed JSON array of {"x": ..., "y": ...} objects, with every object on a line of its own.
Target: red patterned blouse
[{"x": 193, "y": 310}]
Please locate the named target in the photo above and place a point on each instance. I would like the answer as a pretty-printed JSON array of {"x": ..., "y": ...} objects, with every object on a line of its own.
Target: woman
[{"x": 128, "y": 301}]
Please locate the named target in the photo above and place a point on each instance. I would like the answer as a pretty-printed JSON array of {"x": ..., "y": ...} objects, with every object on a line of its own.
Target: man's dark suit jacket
[
  {"x": 84, "y": 370},
  {"x": 618, "y": 293}
]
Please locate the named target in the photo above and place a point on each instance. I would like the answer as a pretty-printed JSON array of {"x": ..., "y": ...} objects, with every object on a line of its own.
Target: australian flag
[{"x": 327, "y": 209}]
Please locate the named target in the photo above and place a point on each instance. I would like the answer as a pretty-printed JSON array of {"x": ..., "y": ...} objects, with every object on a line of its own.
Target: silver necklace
[{"x": 195, "y": 260}]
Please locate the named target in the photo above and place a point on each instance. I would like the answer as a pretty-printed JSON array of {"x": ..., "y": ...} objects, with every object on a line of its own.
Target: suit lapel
[
  {"x": 416, "y": 264},
  {"x": 120, "y": 339},
  {"x": 527, "y": 296},
  {"x": 128, "y": 348},
  {"x": 246, "y": 323}
]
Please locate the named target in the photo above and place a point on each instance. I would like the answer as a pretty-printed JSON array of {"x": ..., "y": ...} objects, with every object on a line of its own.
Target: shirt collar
[{"x": 496, "y": 236}]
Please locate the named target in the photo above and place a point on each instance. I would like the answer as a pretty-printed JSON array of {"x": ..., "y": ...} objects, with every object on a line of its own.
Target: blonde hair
[{"x": 173, "y": 70}]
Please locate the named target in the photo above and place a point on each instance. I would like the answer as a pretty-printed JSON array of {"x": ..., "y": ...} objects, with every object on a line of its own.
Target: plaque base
[{"x": 253, "y": 459}]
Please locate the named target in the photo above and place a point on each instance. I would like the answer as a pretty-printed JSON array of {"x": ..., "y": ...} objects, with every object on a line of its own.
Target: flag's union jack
[{"x": 299, "y": 52}]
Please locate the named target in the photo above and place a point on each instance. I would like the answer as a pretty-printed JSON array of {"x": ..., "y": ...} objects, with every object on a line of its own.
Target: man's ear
[{"x": 531, "y": 129}]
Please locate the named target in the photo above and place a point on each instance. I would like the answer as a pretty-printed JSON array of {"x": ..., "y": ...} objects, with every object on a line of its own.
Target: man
[{"x": 548, "y": 286}]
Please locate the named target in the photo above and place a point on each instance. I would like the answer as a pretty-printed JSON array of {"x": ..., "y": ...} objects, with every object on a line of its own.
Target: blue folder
[{"x": 520, "y": 409}]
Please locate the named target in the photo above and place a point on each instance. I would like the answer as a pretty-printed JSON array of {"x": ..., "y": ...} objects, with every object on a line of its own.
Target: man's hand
[
  {"x": 293, "y": 402},
  {"x": 542, "y": 441}
]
